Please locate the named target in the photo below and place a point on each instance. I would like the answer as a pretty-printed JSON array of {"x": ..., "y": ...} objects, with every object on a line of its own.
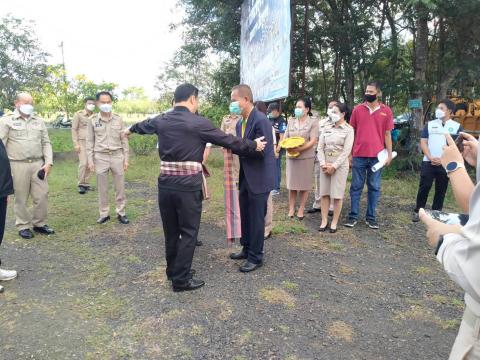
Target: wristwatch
[{"x": 453, "y": 166}]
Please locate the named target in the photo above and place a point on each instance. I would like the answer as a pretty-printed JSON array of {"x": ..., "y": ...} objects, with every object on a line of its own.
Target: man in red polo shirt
[{"x": 373, "y": 123}]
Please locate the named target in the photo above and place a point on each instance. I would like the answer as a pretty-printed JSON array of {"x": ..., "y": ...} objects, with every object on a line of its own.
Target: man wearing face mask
[
  {"x": 373, "y": 123},
  {"x": 107, "y": 150},
  {"x": 182, "y": 136},
  {"x": 432, "y": 142},
  {"x": 279, "y": 124},
  {"x": 79, "y": 137},
  {"x": 25, "y": 137},
  {"x": 256, "y": 178}
]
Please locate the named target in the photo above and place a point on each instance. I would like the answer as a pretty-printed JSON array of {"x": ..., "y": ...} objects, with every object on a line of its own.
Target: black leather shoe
[
  {"x": 333, "y": 231},
  {"x": 313, "y": 211},
  {"x": 45, "y": 230},
  {"x": 123, "y": 219},
  {"x": 190, "y": 285},
  {"x": 82, "y": 190},
  {"x": 238, "y": 256},
  {"x": 199, "y": 243},
  {"x": 248, "y": 266},
  {"x": 26, "y": 234},
  {"x": 103, "y": 220}
]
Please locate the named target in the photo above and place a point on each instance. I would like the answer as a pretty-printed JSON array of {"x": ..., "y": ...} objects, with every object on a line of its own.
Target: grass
[{"x": 274, "y": 295}]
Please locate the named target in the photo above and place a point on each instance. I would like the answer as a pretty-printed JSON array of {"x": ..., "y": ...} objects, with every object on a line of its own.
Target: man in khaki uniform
[
  {"x": 79, "y": 137},
  {"x": 30, "y": 153},
  {"x": 107, "y": 150}
]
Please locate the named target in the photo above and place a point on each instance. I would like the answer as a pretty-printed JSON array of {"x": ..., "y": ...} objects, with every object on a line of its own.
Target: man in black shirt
[
  {"x": 6, "y": 188},
  {"x": 279, "y": 125},
  {"x": 182, "y": 136}
]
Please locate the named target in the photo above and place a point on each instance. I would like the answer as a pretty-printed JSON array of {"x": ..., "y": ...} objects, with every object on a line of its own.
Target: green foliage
[
  {"x": 22, "y": 61},
  {"x": 142, "y": 144},
  {"x": 61, "y": 140},
  {"x": 214, "y": 113},
  {"x": 58, "y": 94}
]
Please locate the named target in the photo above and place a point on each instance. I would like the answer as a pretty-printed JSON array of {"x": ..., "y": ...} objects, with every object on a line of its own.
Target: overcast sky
[{"x": 125, "y": 42}]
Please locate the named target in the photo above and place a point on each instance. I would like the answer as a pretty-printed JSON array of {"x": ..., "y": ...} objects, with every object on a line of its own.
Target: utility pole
[{"x": 65, "y": 83}]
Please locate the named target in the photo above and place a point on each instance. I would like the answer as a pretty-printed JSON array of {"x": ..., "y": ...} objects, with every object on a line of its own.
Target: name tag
[{"x": 18, "y": 125}]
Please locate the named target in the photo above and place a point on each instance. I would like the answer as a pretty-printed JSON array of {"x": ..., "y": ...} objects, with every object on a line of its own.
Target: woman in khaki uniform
[
  {"x": 300, "y": 169},
  {"x": 334, "y": 147}
]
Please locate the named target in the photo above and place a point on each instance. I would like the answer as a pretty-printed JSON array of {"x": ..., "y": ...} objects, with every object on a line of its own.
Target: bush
[
  {"x": 214, "y": 113},
  {"x": 142, "y": 145}
]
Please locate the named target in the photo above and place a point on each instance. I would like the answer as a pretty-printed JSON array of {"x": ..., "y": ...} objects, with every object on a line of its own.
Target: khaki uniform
[
  {"x": 28, "y": 148},
  {"x": 323, "y": 124},
  {"x": 334, "y": 147},
  {"x": 79, "y": 137},
  {"x": 107, "y": 149}
]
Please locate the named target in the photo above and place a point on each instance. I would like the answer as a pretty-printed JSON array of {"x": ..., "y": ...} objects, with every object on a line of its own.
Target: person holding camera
[
  {"x": 432, "y": 142},
  {"x": 457, "y": 247}
]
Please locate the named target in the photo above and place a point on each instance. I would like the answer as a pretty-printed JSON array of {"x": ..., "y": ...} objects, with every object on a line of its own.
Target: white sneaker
[{"x": 7, "y": 275}]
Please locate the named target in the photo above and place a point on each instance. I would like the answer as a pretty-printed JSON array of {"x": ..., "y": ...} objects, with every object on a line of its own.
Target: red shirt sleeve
[
  {"x": 353, "y": 118},
  {"x": 389, "y": 125}
]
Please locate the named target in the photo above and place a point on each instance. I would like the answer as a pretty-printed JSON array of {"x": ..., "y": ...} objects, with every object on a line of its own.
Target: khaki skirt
[
  {"x": 299, "y": 174},
  {"x": 334, "y": 185}
]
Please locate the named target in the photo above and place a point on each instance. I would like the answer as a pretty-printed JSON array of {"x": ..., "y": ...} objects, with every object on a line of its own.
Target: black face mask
[{"x": 370, "y": 98}]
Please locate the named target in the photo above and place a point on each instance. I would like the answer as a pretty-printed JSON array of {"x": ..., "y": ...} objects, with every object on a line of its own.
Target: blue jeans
[
  {"x": 361, "y": 171},
  {"x": 278, "y": 170}
]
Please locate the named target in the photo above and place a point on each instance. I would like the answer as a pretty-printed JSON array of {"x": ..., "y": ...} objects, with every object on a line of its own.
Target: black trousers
[
  {"x": 3, "y": 215},
  {"x": 428, "y": 174},
  {"x": 253, "y": 208},
  {"x": 181, "y": 212}
]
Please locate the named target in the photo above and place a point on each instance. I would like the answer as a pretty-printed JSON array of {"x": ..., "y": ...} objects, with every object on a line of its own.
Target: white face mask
[
  {"x": 106, "y": 108},
  {"x": 26, "y": 109},
  {"x": 334, "y": 117},
  {"x": 439, "y": 114},
  {"x": 90, "y": 107}
]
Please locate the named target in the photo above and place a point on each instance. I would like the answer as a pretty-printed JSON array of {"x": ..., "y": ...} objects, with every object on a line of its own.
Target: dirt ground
[{"x": 100, "y": 292}]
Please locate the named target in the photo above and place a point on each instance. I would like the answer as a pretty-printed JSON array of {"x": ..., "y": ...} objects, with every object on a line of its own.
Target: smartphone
[
  {"x": 459, "y": 143},
  {"x": 448, "y": 218}
]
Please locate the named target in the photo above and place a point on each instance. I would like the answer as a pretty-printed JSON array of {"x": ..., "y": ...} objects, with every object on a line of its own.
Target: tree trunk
[
  {"x": 421, "y": 57},
  {"x": 305, "y": 49}
]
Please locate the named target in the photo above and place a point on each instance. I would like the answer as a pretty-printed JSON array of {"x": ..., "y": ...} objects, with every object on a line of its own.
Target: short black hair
[
  {"x": 375, "y": 83},
  {"x": 88, "y": 98},
  {"x": 274, "y": 106},
  {"x": 307, "y": 101},
  {"x": 100, "y": 93},
  {"x": 449, "y": 104},
  {"x": 184, "y": 91}
]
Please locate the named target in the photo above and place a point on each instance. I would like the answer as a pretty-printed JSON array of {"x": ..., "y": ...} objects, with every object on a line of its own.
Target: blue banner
[{"x": 265, "y": 48}]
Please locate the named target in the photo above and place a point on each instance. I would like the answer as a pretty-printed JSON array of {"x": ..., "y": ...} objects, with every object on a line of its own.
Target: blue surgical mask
[
  {"x": 298, "y": 112},
  {"x": 235, "y": 108}
]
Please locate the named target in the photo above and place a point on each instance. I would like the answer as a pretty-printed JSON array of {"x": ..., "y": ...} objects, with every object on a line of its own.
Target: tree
[{"x": 22, "y": 61}]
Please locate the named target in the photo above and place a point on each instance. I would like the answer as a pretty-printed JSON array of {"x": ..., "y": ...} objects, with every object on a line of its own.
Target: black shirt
[
  {"x": 182, "y": 136},
  {"x": 279, "y": 125},
  {"x": 6, "y": 182}
]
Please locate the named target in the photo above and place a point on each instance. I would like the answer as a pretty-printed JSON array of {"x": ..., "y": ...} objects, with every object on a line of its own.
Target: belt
[
  {"x": 331, "y": 153},
  {"x": 110, "y": 152},
  {"x": 180, "y": 168},
  {"x": 28, "y": 160}
]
